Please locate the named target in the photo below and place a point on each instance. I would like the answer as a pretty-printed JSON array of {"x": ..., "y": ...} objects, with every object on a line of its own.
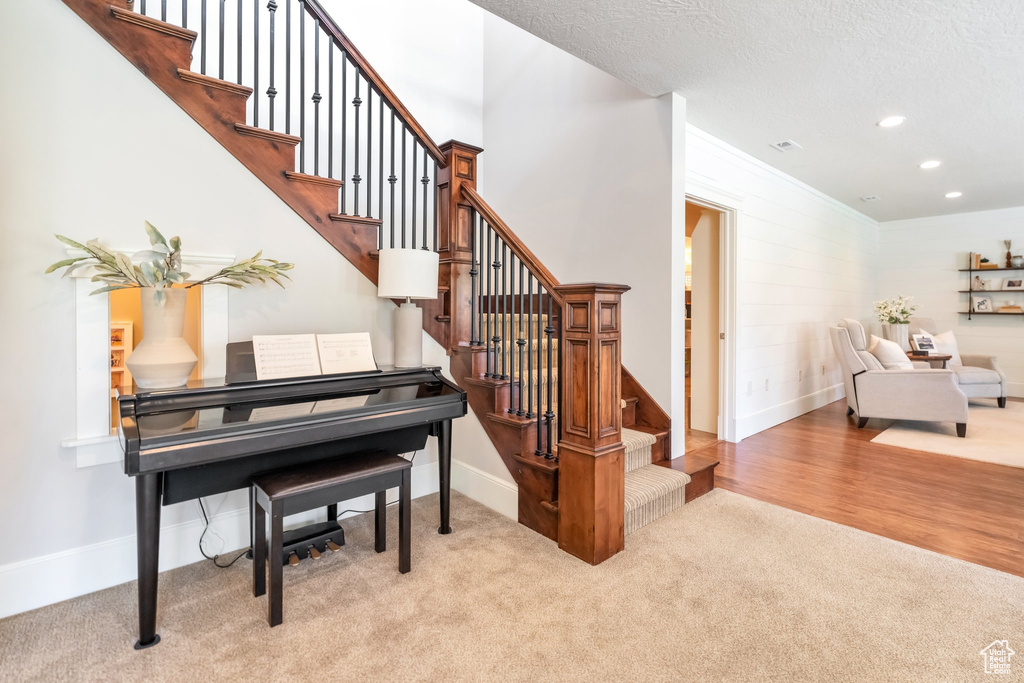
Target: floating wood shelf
[
  {"x": 987, "y": 270},
  {"x": 987, "y": 313}
]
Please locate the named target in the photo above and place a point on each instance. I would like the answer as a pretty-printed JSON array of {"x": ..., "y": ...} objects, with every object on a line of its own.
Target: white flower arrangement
[{"x": 895, "y": 310}]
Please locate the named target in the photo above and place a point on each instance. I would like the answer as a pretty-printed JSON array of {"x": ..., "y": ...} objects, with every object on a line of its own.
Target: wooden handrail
[
  {"x": 325, "y": 20},
  {"x": 522, "y": 252}
]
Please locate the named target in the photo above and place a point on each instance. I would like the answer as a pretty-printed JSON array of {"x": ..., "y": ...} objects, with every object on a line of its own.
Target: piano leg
[
  {"x": 147, "y": 530},
  {"x": 444, "y": 472}
]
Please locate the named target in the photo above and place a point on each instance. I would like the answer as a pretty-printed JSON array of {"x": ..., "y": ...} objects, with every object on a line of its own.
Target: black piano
[{"x": 212, "y": 436}]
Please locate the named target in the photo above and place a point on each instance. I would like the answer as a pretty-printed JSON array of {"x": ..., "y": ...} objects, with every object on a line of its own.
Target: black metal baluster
[
  {"x": 142, "y": 7},
  {"x": 487, "y": 339},
  {"x": 529, "y": 349},
  {"x": 255, "y": 63},
  {"x": 540, "y": 370},
  {"x": 356, "y": 178},
  {"x": 425, "y": 180},
  {"x": 479, "y": 301},
  {"x": 369, "y": 148},
  {"x": 520, "y": 342},
  {"x": 380, "y": 178},
  {"x": 509, "y": 343},
  {"x": 403, "y": 176},
  {"x": 330, "y": 110},
  {"x": 473, "y": 272},
  {"x": 344, "y": 124},
  {"x": 220, "y": 44},
  {"x": 413, "y": 185},
  {"x": 184, "y": 13},
  {"x": 392, "y": 179},
  {"x": 272, "y": 91},
  {"x": 316, "y": 100},
  {"x": 287, "y": 63},
  {"x": 238, "y": 47},
  {"x": 202, "y": 40},
  {"x": 435, "y": 206},
  {"x": 504, "y": 308},
  {"x": 549, "y": 414},
  {"x": 163, "y": 10},
  {"x": 302, "y": 88}
]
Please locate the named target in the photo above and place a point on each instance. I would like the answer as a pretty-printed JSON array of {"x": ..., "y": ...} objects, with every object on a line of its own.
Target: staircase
[{"x": 281, "y": 87}]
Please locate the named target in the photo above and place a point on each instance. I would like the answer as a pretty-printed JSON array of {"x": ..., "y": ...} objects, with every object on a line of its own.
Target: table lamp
[{"x": 408, "y": 274}]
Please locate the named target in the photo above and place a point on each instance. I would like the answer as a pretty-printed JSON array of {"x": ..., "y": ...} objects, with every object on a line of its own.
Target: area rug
[
  {"x": 994, "y": 434},
  {"x": 725, "y": 588}
]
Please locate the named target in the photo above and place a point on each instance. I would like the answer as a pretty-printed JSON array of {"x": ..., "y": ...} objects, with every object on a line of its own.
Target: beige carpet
[
  {"x": 725, "y": 588},
  {"x": 994, "y": 435}
]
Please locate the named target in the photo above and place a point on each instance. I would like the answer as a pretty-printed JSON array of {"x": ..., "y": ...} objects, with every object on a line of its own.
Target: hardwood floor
[
  {"x": 696, "y": 440},
  {"x": 822, "y": 465}
]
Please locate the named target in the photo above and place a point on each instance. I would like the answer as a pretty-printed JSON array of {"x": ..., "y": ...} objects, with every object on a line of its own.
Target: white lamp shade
[{"x": 407, "y": 273}]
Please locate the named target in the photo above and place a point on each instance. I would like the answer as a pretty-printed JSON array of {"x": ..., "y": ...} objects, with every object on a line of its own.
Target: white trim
[
  {"x": 69, "y": 573},
  {"x": 1015, "y": 389},
  {"x": 93, "y": 444},
  {"x": 486, "y": 489},
  {"x": 749, "y": 425},
  {"x": 713, "y": 198}
]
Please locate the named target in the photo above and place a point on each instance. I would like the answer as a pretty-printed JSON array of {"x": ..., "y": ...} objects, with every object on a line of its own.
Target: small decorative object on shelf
[
  {"x": 1009, "y": 254},
  {"x": 982, "y": 304},
  {"x": 894, "y": 314},
  {"x": 1013, "y": 283},
  {"x": 163, "y": 358},
  {"x": 1017, "y": 261}
]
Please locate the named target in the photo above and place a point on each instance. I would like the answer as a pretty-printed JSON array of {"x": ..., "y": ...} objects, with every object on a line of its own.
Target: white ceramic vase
[
  {"x": 899, "y": 333},
  {"x": 163, "y": 358}
]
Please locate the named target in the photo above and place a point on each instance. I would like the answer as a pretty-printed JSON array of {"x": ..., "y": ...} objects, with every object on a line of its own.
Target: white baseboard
[
  {"x": 749, "y": 425},
  {"x": 1015, "y": 389},
  {"x": 486, "y": 489},
  {"x": 45, "y": 580}
]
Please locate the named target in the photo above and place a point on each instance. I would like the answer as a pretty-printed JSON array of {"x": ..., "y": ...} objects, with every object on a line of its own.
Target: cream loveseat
[
  {"x": 873, "y": 391},
  {"x": 978, "y": 376}
]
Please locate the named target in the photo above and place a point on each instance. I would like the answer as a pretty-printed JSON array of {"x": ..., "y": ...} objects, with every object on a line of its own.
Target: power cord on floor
[{"x": 206, "y": 522}]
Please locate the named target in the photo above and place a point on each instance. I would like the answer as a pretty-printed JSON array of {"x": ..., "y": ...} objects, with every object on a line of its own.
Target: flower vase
[
  {"x": 163, "y": 359},
  {"x": 897, "y": 332}
]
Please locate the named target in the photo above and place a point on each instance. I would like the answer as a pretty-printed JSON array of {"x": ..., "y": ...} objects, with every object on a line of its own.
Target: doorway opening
[{"x": 704, "y": 328}]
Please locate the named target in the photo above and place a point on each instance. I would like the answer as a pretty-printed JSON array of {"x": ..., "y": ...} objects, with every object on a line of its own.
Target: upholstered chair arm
[
  {"x": 987, "y": 362},
  {"x": 932, "y": 395}
]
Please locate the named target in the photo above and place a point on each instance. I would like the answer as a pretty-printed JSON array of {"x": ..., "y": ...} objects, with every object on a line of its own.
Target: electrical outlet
[
  {"x": 822, "y": 370},
  {"x": 799, "y": 375},
  {"x": 766, "y": 384}
]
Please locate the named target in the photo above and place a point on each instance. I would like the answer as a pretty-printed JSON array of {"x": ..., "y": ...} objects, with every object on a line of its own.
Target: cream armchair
[
  {"x": 978, "y": 376},
  {"x": 873, "y": 391}
]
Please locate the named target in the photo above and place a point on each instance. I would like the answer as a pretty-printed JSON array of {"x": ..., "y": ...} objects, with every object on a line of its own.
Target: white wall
[
  {"x": 580, "y": 165},
  {"x": 804, "y": 261},
  {"x": 92, "y": 149},
  {"x": 920, "y": 257}
]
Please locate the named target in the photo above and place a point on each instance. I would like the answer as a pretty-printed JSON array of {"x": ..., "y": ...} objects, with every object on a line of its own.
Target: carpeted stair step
[
  {"x": 652, "y": 492},
  {"x": 638, "y": 449}
]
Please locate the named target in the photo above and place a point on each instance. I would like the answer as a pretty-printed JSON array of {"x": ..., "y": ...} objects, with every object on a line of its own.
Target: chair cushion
[
  {"x": 945, "y": 344},
  {"x": 972, "y": 375},
  {"x": 889, "y": 354},
  {"x": 858, "y": 337},
  {"x": 325, "y": 473}
]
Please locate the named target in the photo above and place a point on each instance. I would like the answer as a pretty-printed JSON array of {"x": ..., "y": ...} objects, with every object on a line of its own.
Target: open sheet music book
[{"x": 280, "y": 356}]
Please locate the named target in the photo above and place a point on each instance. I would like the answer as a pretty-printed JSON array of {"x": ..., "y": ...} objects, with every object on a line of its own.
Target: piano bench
[{"x": 318, "y": 484}]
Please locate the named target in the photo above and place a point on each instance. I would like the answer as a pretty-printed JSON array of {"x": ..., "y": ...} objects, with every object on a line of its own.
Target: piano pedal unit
[
  {"x": 312, "y": 540},
  {"x": 332, "y": 546}
]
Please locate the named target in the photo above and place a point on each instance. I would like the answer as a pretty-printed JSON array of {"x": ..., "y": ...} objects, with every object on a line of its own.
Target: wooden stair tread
[
  {"x": 265, "y": 134},
  {"x": 486, "y": 382},
  {"x": 313, "y": 179},
  {"x": 131, "y": 17},
  {"x": 537, "y": 462},
  {"x": 355, "y": 219},
  {"x": 512, "y": 420},
  {"x": 216, "y": 83},
  {"x": 653, "y": 431}
]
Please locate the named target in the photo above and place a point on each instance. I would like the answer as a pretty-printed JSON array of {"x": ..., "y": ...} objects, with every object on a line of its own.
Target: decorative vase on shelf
[
  {"x": 1017, "y": 262},
  {"x": 897, "y": 332},
  {"x": 163, "y": 359}
]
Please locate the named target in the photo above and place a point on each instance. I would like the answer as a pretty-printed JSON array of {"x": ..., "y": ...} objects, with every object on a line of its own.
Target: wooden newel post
[
  {"x": 455, "y": 236},
  {"x": 591, "y": 468}
]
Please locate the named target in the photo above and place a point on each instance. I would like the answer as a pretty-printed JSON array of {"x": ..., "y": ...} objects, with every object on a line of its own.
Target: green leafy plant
[{"x": 160, "y": 267}]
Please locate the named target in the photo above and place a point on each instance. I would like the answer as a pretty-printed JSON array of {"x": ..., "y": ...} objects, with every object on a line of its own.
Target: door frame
[{"x": 726, "y": 204}]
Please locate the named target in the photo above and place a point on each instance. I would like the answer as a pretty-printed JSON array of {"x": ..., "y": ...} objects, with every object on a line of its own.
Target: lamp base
[{"x": 408, "y": 323}]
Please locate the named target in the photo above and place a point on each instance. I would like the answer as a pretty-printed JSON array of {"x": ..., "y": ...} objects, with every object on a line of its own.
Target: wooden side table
[{"x": 933, "y": 358}]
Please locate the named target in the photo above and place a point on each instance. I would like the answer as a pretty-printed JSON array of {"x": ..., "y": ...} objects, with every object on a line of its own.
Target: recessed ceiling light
[
  {"x": 954, "y": 195},
  {"x": 870, "y": 198},
  {"x": 890, "y": 121},
  {"x": 930, "y": 164}
]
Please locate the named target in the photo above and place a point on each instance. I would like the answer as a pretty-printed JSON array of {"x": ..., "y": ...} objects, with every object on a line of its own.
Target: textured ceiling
[{"x": 822, "y": 73}]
